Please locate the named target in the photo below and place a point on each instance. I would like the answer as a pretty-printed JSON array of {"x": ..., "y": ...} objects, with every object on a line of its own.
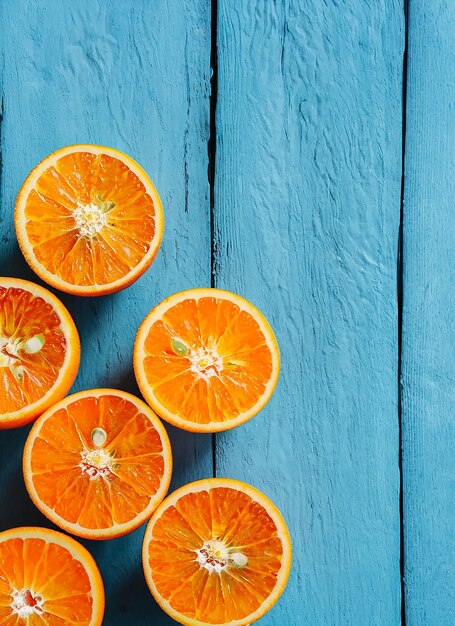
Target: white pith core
[
  {"x": 90, "y": 218},
  {"x": 205, "y": 362},
  {"x": 26, "y": 602},
  {"x": 96, "y": 463},
  {"x": 13, "y": 349},
  {"x": 215, "y": 556}
]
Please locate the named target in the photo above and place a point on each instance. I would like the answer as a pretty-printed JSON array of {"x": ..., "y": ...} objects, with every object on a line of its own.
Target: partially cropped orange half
[
  {"x": 217, "y": 552},
  {"x": 39, "y": 351},
  {"x": 206, "y": 360},
  {"x": 89, "y": 220},
  {"x": 48, "y": 579},
  {"x": 98, "y": 463}
]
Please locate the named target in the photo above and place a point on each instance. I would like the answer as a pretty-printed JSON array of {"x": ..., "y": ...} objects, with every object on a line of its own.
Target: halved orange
[
  {"x": 48, "y": 579},
  {"x": 98, "y": 463},
  {"x": 206, "y": 360},
  {"x": 39, "y": 351},
  {"x": 89, "y": 220},
  {"x": 216, "y": 551}
]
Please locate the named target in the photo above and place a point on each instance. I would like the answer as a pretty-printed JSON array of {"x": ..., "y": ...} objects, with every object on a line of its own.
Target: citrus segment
[
  {"x": 216, "y": 551},
  {"x": 48, "y": 579},
  {"x": 98, "y": 463},
  {"x": 206, "y": 360},
  {"x": 39, "y": 351},
  {"x": 89, "y": 220}
]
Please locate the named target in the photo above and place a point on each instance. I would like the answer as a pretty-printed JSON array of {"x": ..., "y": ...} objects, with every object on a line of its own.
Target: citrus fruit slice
[
  {"x": 206, "y": 360},
  {"x": 39, "y": 351},
  {"x": 48, "y": 579},
  {"x": 216, "y": 551},
  {"x": 98, "y": 463},
  {"x": 88, "y": 220}
]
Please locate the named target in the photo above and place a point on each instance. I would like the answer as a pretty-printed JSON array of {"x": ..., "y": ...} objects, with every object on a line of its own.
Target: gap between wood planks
[
  {"x": 400, "y": 309},
  {"x": 211, "y": 148},
  {"x": 1, "y": 145}
]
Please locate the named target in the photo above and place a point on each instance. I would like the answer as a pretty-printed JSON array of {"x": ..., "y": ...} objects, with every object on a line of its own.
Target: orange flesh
[
  {"x": 23, "y": 316},
  {"x": 81, "y": 179},
  {"x": 244, "y": 526},
  {"x": 47, "y": 570},
  {"x": 132, "y": 444},
  {"x": 218, "y": 392}
]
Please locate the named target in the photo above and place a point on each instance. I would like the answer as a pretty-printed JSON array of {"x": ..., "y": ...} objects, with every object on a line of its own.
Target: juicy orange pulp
[
  {"x": 206, "y": 360},
  {"x": 44, "y": 582},
  {"x": 39, "y": 351},
  {"x": 96, "y": 464},
  {"x": 113, "y": 189},
  {"x": 216, "y": 555},
  {"x": 89, "y": 217},
  {"x": 27, "y": 377}
]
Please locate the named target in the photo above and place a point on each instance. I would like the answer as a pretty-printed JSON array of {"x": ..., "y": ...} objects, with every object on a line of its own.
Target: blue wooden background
[{"x": 305, "y": 158}]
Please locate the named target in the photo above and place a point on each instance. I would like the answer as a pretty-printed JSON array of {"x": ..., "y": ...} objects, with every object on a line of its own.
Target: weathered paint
[
  {"x": 124, "y": 75},
  {"x": 307, "y": 223},
  {"x": 428, "y": 355}
]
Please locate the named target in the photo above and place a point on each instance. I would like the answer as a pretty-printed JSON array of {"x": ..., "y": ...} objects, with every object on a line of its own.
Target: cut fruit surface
[
  {"x": 48, "y": 579},
  {"x": 98, "y": 463},
  {"x": 206, "y": 360},
  {"x": 89, "y": 220},
  {"x": 39, "y": 351},
  {"x": 216, "y": 551}
]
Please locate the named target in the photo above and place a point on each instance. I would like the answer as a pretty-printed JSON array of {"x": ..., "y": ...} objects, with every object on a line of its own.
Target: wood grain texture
[
  {"x": 307, "y": 210},
  {"x": 133, "y": 77},
  {"x": 428, "y": 354}
]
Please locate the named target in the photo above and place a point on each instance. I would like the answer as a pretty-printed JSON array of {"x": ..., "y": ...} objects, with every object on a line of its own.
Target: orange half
[
  {"x": 218, "y": 552},
  {"x": 89, "y": 220},
  {"x": 48, "y": 579},
  {"x": 39, "y": 351},
  {"x": 98, "y": 463},
  {"x": 206, "y": 360}
]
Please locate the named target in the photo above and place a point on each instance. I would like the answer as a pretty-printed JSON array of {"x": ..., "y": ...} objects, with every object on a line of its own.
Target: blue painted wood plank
[
  {"x": 135, "y": 77},
  {"x": 428, "y": 350},
  {"x": 307, "y": 210}
]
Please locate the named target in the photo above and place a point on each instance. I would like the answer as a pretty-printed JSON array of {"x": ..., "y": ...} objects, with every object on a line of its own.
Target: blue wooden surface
[
  {"x": 123, "y": 75},
  {"x": 428, "y": 311},
  {"x": 305, "y": 222},
  {"x": 309, "y": 169}
]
